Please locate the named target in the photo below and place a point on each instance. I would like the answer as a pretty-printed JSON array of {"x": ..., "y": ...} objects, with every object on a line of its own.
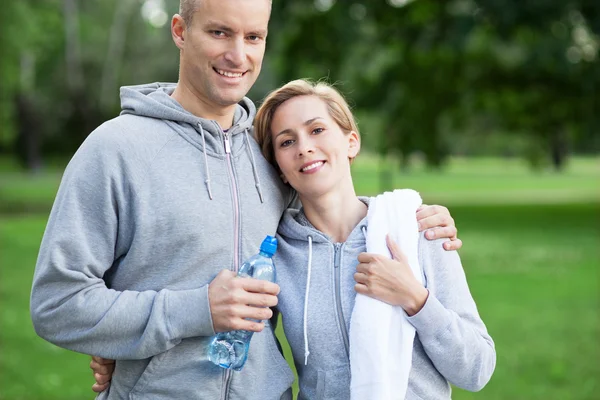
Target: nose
[
  {"x": 304, "y": 147},
  {"x": 236, "y": 53}
]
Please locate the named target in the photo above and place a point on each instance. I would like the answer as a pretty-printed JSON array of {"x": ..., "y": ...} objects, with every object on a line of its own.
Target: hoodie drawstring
[
  {"x": 207, "y": 181},
  {"x": 306, "y": 352},
  {"x": 253, "y": 162}
]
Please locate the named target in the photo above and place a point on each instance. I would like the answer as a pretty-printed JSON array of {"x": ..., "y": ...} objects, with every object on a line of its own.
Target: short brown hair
[
  {"x": 187, "y": 9},
  {"x": 337, "y": 107}
]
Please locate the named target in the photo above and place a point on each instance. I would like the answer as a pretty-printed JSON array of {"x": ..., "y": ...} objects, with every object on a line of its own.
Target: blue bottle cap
[{"x": 269, "y": 245}]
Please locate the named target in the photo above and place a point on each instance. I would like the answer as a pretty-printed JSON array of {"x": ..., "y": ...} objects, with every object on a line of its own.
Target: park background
[{"x": 488, "y": 107}]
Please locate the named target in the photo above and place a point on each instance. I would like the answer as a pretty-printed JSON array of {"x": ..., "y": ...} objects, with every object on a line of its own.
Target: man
[{"x": 155, "y": 213}]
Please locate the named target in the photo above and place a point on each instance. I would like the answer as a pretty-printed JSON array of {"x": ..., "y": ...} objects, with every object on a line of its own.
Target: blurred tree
[{"x": 428, "y": 70}]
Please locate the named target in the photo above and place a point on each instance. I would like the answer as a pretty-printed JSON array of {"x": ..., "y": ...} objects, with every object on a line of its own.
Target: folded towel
[{"x": 381, "y": 339}]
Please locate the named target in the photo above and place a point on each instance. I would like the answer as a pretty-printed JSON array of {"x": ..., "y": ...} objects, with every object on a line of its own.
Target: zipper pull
[{"x": 227, "y": 146}]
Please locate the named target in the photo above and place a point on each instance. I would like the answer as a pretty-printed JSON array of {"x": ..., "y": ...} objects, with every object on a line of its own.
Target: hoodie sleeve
[
  {"x": 449, "y": 326},
  {"x": 71, "y": 306}
]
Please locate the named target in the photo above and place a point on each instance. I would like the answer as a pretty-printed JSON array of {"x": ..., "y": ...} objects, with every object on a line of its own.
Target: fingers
[
  {"x": 99, "y": 388},
  {"x": 453, "y": 244},
  {"x": 449, "y": 232},
  {"x": 397, "y": 254},
  {"x": 102, "y": 366},
  {"x": 362, "y": 289},
  {"x": 258, "y": 286},
  {"x": 235, "y": 302},
  {"x": 436, "y": 220},
  {"x": 102, "y": 379},
  {"x": 427, "y": 211},
  {"x": 103, "y": 369},
  {"x": 102, "y": 361}
]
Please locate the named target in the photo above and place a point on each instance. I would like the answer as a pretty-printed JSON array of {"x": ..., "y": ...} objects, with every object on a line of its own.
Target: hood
[
  {"x": 295, "y": 225},
  {"x": 154, "y": 100}
]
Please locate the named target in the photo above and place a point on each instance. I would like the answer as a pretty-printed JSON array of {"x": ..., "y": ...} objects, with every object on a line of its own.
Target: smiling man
[{"x": 155, "y": 213}]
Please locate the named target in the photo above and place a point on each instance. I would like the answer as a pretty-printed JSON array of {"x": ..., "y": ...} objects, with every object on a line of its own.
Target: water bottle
[{"x": 230, "y": 349}]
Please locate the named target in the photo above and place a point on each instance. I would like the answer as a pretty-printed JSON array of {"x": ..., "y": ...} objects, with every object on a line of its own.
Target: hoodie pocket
[
  {"x": 266, "y": 375},
  {"x": 183, "y": 372},
  {"x": 333, "y": 383}
]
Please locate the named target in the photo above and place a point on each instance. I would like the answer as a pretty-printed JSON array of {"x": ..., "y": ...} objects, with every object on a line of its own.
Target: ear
[
  {"x": 178, "y": 30},
  {"x": 283, "y": 178},
  {"x": 353, "y": 144}
]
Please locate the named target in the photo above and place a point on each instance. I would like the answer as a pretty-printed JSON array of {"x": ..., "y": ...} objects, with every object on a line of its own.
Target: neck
[
  {"x": 194, "y": 103},
  {"x": 335, "y": 213}
]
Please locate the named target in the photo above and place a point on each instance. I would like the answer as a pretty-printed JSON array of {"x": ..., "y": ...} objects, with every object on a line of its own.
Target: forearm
[
  {"x": 449, "y": 326},
  {"x": 92, "y": 319}
]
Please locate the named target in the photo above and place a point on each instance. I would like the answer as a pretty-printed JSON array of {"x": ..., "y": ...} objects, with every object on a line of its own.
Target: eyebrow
[
  {"x": 213, "y": 25},
  {"x": 219, "y": 26},
  {"x": 306, "y": 123}
]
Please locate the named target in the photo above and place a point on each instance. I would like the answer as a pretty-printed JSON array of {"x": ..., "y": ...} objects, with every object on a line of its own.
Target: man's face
[{"x": 223, "y": 49}]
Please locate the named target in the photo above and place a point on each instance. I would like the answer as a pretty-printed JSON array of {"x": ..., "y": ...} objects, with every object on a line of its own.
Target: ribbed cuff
[
  {"x": 432, "y": 318},
  {"x": 188, "y": 313}
]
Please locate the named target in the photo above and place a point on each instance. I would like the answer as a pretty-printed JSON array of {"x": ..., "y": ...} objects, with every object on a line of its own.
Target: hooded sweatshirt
[
  {"x": 151, "y": 207},
  {"x": 451, "y": 344}
]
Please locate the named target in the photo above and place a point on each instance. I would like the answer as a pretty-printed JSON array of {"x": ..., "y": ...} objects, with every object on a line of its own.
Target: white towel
[{"x": 381, "y": 339}]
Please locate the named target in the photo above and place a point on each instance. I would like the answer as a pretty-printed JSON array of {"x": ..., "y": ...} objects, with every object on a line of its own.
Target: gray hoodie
[
  {"x": 451, "y": 343},
  {"x": 151, "y": 207}
]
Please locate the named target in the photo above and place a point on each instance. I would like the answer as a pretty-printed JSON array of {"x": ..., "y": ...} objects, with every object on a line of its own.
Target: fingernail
[
  {"x": 429, "y": 234},
  {"x": 420, "y": 226}
]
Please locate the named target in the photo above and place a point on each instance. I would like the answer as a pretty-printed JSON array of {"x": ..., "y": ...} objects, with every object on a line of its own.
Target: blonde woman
[{"x": 308, "y": 132}]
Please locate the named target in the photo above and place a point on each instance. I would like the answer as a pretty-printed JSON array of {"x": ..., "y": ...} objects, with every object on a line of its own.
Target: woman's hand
[
  {"x": 102, "y": 369},
  {"x": 438, "y": 223},
  {"x": 390, "y": 280}
]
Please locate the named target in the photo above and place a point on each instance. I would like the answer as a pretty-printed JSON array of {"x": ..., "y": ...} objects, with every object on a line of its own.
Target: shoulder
[{"x": 435, "y": 260}]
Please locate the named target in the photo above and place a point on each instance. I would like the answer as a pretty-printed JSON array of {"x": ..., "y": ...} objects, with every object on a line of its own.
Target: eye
[
  {"x": 218, "y": 33},
  {"x": 254, "y": 38},
  {"x": 318, "y": 130},
  {"x": 286, "y": 143}
]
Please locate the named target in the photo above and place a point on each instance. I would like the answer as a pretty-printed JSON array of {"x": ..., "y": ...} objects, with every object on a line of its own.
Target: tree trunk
[
  {"x": 558, "y": 149},
  {"x": 29, "y": 120},
  {"x": 114, "y": 56},
  {"x": 72, "y": 46}
]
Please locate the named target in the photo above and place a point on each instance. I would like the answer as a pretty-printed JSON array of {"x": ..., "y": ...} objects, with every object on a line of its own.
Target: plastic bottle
[{"x": 230, "y": 349}]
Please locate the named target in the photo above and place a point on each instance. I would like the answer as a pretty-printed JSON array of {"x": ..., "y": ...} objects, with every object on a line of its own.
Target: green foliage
[{"x": 425, "y": 73}]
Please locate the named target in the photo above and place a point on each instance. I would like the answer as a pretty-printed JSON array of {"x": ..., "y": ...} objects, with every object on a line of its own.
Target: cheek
[
  {"x": 283, "y": 162},
  {"x": 256, "y": 55}
]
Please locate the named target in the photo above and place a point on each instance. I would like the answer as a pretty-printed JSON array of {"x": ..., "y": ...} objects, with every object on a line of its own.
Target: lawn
[{"x": 531, "y": 256}]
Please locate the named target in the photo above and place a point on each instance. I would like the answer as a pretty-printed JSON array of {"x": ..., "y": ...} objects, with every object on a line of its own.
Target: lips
[
  {"x": 229, "y": 74},
  {"x": 312, "y": 166}
]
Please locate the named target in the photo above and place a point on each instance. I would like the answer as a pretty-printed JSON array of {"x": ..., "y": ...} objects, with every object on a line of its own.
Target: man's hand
[
  {"x": 233, "y": 300},
  {"x": 390, "y": 280},
  {"x": 438, "y": 223},
  {"x": 103, "y": 369}
]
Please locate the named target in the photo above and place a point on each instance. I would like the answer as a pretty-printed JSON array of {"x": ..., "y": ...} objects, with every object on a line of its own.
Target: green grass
[{"x": 532, "y": 265}]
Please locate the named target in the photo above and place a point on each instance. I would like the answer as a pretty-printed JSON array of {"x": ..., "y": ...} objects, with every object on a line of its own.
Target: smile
[
  {"x": 312, "y": 166},
  {"x": 229, "y": 74}
]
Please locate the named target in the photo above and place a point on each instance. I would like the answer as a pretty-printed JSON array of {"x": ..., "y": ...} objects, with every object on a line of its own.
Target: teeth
[
  {"x": 230, "y": 74},
  {"x": 312, "y": 166}
]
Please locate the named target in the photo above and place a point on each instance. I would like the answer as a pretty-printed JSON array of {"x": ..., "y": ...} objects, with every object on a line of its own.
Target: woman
[{"x": 308, "y": 131}]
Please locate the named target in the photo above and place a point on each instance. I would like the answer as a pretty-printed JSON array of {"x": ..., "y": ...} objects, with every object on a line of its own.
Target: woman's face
[{"x": 310, "y": 148}]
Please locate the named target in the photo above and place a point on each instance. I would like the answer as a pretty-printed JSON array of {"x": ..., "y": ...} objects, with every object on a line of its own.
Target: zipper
[
  {"x": 338, "y": 300},
  {"x": 236, "y": 205},
  {"x": 236, "y": 233}
]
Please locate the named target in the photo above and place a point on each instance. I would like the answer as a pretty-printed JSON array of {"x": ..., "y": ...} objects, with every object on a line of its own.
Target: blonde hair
[{"x": 337, "y": 107}]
